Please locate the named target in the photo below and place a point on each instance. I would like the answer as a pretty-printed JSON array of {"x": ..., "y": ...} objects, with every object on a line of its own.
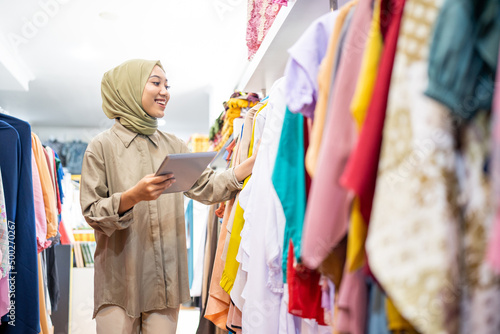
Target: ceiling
[{"x": 65, "y": 46}]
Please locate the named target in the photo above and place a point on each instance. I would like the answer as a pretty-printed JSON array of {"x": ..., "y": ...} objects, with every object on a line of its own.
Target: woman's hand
[
  {"x": 245, "y": 168},
  {"x": 149, "y": 188}
]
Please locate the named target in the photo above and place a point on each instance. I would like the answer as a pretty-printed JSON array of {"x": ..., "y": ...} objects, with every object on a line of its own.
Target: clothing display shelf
[{"x": 269, "y": 62}]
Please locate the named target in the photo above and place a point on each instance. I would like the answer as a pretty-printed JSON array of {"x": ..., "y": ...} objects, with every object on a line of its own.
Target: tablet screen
[{"x": 186, "y": 167}]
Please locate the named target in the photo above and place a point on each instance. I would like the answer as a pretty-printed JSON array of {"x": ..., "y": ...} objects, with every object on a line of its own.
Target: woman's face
[{"x": 155, "y": 95}]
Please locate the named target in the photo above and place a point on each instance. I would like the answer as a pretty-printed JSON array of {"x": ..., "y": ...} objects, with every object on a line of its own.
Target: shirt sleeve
[
  {"x": 213, "y": 187},
  {"x": 98, "y": 207}
]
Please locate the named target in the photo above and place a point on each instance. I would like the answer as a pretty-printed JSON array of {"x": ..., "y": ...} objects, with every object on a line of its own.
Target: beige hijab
[{"x": 121, "y": 90}]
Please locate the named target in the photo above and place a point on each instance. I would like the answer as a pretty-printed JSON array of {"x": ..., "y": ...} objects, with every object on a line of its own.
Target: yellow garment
[
  {"x": 324, "y": 86},
  {"x": 359, "y": 106},
  {"x": 356, "y": 239},
  {"x": 395, "y": 321},
  {"x": 369, "y": 69},
  {"x": 233, "y": 111},
  {"x": 231, "y": 265},
  {"x": 121, "y": 91}
]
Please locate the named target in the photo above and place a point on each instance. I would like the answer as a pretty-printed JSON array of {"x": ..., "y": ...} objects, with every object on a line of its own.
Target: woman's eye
[
  {"x": 167, "y": 87},
  {"x": 156, "y": 83}
]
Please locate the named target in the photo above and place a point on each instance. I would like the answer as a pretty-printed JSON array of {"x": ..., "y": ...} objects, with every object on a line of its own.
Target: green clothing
[
  {"x": 289, "y": 180},
  {"x": 463, "y": 55}
]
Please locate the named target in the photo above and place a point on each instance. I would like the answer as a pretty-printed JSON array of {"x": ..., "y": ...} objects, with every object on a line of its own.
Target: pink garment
[
  {"x": 261, "y": 15},
  {"x": 328, "y": 204},
  {"x": 40, "y": 217},
  {"x": 4, "y": 295},
  {"x": 281, "y": 2},
  {"x": 493, "y": 255},
  {"x": 352, "y": 296}
]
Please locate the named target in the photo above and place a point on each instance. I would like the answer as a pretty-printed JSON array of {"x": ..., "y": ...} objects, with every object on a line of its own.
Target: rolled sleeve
[
  {"x": 215, "y": 187},
  {"x": 99, "y": 209}
]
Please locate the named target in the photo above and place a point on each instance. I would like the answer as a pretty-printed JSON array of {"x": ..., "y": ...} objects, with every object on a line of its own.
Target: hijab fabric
[{"x": 121, "y": 91}]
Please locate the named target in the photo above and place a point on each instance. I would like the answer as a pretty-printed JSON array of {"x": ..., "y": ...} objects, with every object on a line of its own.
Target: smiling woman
[
  {"x": 140, "y": 260},
  {"x": 155, "y": 96}
]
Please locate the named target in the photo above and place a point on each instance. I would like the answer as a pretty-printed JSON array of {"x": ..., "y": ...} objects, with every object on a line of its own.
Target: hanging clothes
[
  {"x": 218, "y": 300},
  {"x": 416, "y": 180},
  {"x": 10, "y": 151},
  {"x": 40, "y": 215},
  {"x": 325, "y": 83},
  {"x": 326, "y": 221},
  {"x": 231, "y": 266},
  {"x": 49, "y": 198},
  {"x": 243, "y": 255},
  {"x": 264, "y": 214},
  {"x": 463, "y": 56},
  {"x": 303, "y": 65},
  {"x": 25, "y": 272}
]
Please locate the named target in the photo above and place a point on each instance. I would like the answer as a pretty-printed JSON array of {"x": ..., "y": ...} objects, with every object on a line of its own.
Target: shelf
[{"x": 269, "y": 62}]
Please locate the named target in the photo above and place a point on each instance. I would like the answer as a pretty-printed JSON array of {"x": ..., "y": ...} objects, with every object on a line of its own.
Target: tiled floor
[{"x": 82, "y": 304}]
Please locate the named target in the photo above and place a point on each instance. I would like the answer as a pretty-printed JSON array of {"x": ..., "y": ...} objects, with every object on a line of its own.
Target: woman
[{"x": 141, "y": 273}]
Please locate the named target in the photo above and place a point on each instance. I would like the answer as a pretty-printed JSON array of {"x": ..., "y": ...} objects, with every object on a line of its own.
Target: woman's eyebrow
[{"x": 157, "y": 76}]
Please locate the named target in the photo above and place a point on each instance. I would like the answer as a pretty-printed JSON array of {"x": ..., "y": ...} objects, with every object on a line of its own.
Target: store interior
[{"x": 375, "y": 132}]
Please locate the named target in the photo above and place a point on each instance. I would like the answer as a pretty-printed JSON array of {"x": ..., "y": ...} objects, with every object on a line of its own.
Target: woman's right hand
[{"x": 149, "y": 188}]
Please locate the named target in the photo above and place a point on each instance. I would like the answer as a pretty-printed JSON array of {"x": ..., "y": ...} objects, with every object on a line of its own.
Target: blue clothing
[
  {"x": 74, "y": 153},
  {"x": 189, "y": 236},
  {"x": 289, "y": 180},
  {"x": 377, "y": 318},
  {"x": 60, "y": 176},
  {"x": 24, "y": 273}
]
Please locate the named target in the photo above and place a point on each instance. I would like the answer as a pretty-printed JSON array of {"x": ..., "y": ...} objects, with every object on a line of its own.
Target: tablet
[{"x": 186, "y": 167}]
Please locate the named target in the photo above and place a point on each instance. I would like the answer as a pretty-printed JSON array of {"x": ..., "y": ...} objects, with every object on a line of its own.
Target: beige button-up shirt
[{"x": 141, "y": 257}]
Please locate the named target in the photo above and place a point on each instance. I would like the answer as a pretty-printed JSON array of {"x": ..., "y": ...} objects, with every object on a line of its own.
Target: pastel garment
[
  {"x": 260, "y": 17},
  {"x": 218, "y": 300},
  {"x": 130, "y": 278},
  {"x": 303, "y": 65},
  {"x": 325, "y": 74},
  {"x": 360, "y": 173},
  {"x": 49, "y": 198},
  {"x": 266, "y": 224},
  {"x": 231, "y": 266},
  {"x": 326, "y": 221},
  {"x": 463, "y": 56},
  {"x": 352, "y": 303},
  {"x": 40, "y": 218},
  {"x": 369, "y": 69},
  {"x": 24, "y": 271},
  {"x": 414, "y": 214}
]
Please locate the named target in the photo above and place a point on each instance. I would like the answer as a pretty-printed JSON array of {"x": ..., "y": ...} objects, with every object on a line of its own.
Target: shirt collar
[{"x": 127, "y": 136}]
